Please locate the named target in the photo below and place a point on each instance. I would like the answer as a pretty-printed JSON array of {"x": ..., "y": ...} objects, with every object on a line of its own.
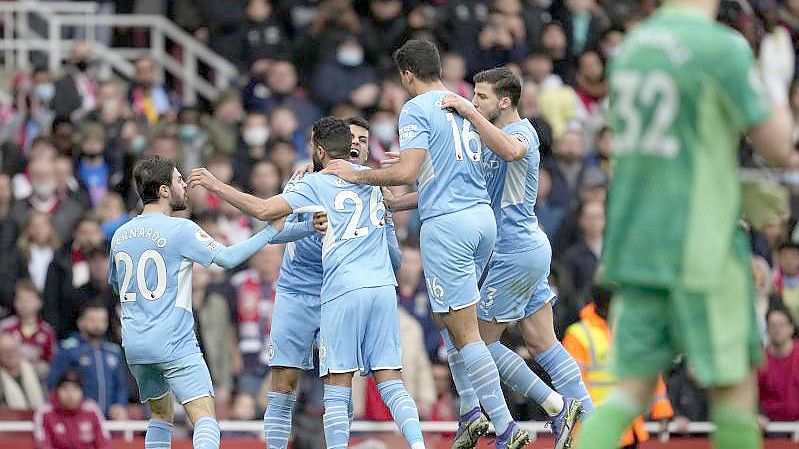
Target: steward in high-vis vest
[{"x": 589, "y": 342}]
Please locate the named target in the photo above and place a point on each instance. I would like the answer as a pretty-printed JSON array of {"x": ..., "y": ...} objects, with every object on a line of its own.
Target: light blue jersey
[
  {"x": 150, "y": 267},
  {"x": 355, "y": 249},
  {"x": 301, "y": 270},
  {"x": 451, "y": 178},
  {"x": 513, "y": 187}
]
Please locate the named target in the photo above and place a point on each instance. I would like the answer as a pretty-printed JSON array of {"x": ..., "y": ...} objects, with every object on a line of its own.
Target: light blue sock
[
  {"x": 520, "y": 378},
  {"x": 336, "y": 418},
  {"x": 403, "y": 410},
  {"x": 277, "y": 420},
  {"x": 159, "y": 435},
  {"x": 484, "y": 376},
  {"x": 467, "y": 398},
  {"x": 565, "y": 375},
  {"x": 206, "y": 433}
]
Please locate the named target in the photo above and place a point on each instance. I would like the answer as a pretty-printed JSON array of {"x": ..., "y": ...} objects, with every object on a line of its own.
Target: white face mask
[
  {"x": 384, "y": 132},
  {"x": 256, "y": 136},
  {"x": 44, "y": 189},
  {"x": 350, "y": 56}
]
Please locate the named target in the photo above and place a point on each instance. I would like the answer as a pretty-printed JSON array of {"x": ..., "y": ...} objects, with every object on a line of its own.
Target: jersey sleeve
[
  {"x": 197, "y": 245},
  {"x": 112, "y": 274},
  {"x": 414, "y": 128},
  {"x": 302, "y": 196},
  {"x": 742, "y": 82}
]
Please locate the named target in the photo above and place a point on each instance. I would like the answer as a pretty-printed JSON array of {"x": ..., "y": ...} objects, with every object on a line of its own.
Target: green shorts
[{"x": 716, "y": 330}]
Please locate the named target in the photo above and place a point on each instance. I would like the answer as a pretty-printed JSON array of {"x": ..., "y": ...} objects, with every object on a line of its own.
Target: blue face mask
[
  {"x": 138, "y": 144},
  {"x": 44, "y": 92},
  {"x": 188, "y": 132}
]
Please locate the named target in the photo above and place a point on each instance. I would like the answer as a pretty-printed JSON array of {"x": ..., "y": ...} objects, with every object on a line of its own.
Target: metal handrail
[{"x": 59, "y": 14}]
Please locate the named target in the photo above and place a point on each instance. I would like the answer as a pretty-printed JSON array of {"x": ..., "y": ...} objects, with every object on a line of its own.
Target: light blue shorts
[
  {"x": 295, "y": 326},
  {"x": 360, "y": 332},
  {"x": 454, "y": 248},
  {"x": 187, "y": 377},
  {"x": 516, "y": 285}
]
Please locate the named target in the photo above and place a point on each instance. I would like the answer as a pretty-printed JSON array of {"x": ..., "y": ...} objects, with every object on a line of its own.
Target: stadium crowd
[{"x": 69, "y": 141}]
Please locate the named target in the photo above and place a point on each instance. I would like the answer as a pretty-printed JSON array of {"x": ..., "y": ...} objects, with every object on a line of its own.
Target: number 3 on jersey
[
  {"x": 123, "y": 258},
  {"x": 463, "y": 139}
]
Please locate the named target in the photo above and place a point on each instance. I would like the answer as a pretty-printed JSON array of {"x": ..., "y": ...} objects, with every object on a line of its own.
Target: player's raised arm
[
  {"x": 505, "y": 146},
  {"x": 403, "y": 172},
  {"x": 263, "y": 209}
]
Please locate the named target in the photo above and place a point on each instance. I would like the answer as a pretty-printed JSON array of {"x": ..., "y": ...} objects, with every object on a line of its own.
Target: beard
[
  {"x": 317, "y": 163},
  {"x": 178, "y": 203},
  {"x": 492, "y": 114}
]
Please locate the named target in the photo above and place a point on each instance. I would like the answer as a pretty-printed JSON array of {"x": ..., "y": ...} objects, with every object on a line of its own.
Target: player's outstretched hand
[
  {"x": 458, "y": 104},
  {"x": 203, "y": 178},
  {"x": 320, "y": 222},
  {"x": 342, "y": 169},
  {"x": 302, "y": 171},
  {"x": 392, "y": 157}
]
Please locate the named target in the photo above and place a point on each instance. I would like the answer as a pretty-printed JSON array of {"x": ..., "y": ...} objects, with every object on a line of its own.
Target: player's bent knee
[
  {"x": 338, "y": 379},
  {"x": 284, "y": 380},
  {"x": 200, "y": 408}
]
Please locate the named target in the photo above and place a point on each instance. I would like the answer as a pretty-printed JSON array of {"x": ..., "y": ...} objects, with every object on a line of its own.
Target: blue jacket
[{"x": 102, "y": 369}]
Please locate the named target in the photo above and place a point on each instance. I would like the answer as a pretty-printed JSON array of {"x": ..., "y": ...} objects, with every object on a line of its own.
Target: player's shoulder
[{"x": 524, "y": 131}]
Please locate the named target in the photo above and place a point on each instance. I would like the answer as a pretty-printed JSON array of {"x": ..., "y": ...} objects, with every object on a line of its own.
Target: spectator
[
  {"x": 582, "y": 258},
  {"x": 95, "y": 291},
  {"x": 67, "y": 185},
  {"x": 216, "y": 331},
  {"x": 255, "y": 133},
  {"x": 583, "y": 27},
  {"x": 460, "y": 23},
  {"x": 165, "y": 147},
  {"x": 382, "y": 32},
  {"x": 383, "y": 133},
  {"x": 223, "y": 22},
  {"x": 501, "y": 40},
  {"x": 34, "y": 336},
  {"x": 20, "y": 386},
  {"x": 592, "y": 188},
  {"x": 112, "y": 215},
  {"x": 765, "y": 300},
  {"x": 591, "y": 88},
  {"x": 445, "y": 406},
  {"x": 779, "y": 377},
  {"x": 345, "y": 77},
  {"x": 64, "y": 213},
  {"x": 285, "y": 126},
  {"x": 40, "y": 148},
  {"x": 41, "y": 261},
  {"x": 223, "y": 129},
  {"x": 554, "y": 44},
  {"x": 610, "y": 43},
  {"x": 786, "y": 278},
  {"x": 93, "y": 169},
  {"x": 193, "y": 139},
  {"x": 412, "y": 294},
  {"x": 76, "y": 91},
  {"x": 70, "y": 421},
  {"x": 604, "y": 149},
  {"x": 8, "y": 253},
  {"x": 88, "y": 235},
  {"x": 282, "y": 90},
  {"x": 453, "y": 73},
  {"x": 147, "y": 96},
  {"x": 255, "y": 300},
  {"x": 265, "y": 179},
  {"x": 550, "y": 215},
  {"x": 63, "y": 135},
  {"x": 264, "y": 35},
  {"x": 568, "y": 167},
  {"x": 99, "y": 362}
]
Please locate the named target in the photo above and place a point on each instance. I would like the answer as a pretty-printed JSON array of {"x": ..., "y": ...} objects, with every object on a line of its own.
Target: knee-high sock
[
  {"x": 520, "y": 378},
  {"x": 159, "y": 435},
  {"x": 206, "y": 433},
  {"x": 735, "y": 429},
  {"x": 565, "y": 375},
  {"x": 336, "y": 418},
  {"x": 277, "y": 420},
  {"x": 603, "y": 428},
  {"x": 403, "y": 410},
  {"x": 484, "y": 377},
  {"x": 467, "y": 399}
]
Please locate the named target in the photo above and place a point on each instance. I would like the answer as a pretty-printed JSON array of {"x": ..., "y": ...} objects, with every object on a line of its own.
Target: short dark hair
[
  {"x": 333, "y": 134},
  {"x": 504, "y": 82},
  {"x": 150, "y": 174},
  {"x": 357, "y": 121},
  {"x": 70, "y": 376},
  {"x": 780, "y": 309},
  {"x": 91, "y": 304},
  {"x": 26, "y": 285},
  {"x": 420, "y": 57}
]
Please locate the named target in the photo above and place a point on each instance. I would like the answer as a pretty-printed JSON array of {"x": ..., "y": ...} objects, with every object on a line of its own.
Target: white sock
[{"x": 553, "y": 404}]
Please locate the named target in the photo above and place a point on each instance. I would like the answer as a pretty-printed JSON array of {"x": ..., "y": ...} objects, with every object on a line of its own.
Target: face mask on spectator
[
  {"x": 138, "y": 143},
  {"x": 256, "y": 136},
  {"x": 384, "y": 131},
  {"x": 44, "y": 189},
  {"x": 188, "y": 132},
  {"x": 350, "y": 56},
  {"x": 44, "y": 92},
  {"x": 82, "y": 65}
]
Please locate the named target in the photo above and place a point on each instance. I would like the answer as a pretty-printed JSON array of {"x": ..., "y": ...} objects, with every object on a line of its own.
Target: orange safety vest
[{"x": 589, "y": 342}]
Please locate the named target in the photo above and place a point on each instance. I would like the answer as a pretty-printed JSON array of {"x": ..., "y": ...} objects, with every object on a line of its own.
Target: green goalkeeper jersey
[{"x": 683, "y": 89}]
